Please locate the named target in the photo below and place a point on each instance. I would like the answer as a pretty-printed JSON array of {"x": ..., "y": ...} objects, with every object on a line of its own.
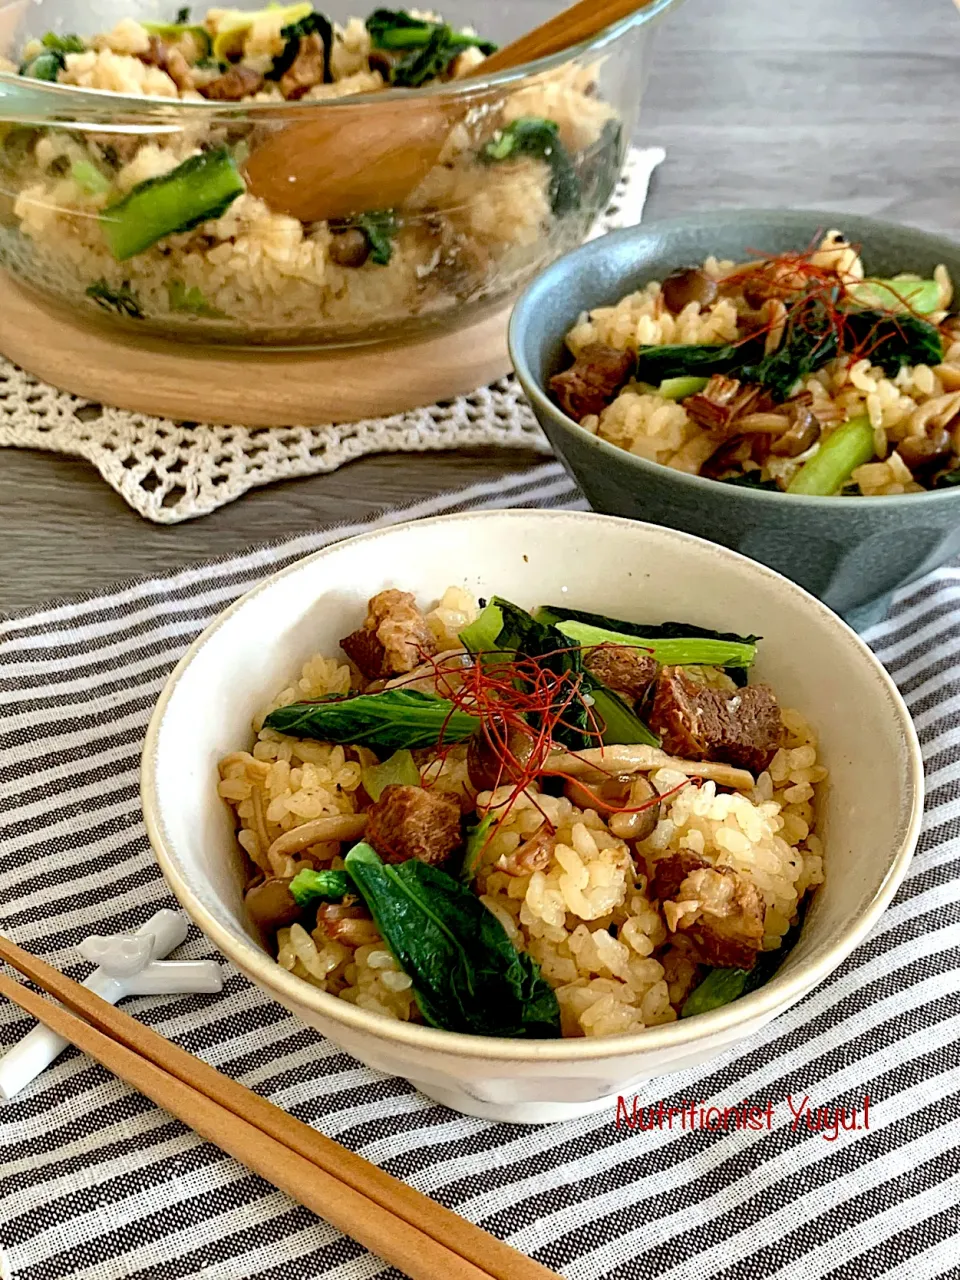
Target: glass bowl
[{"x": 495, "y": 200}]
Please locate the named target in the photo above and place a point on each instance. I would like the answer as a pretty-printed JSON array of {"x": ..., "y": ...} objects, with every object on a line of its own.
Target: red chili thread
[
  {"x": 503, "y": 692},
  {"x": 794, "y": 277}
]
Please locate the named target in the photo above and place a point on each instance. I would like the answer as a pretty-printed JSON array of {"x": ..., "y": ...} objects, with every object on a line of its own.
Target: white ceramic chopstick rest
[{"x": 128, "y": 965}]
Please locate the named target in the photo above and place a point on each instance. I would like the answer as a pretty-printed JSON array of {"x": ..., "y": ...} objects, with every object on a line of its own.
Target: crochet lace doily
[{"x": 169, "y": 472}]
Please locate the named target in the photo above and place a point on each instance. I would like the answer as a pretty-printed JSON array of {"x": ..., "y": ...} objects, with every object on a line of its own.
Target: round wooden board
[{"x": 248, "y": 388}]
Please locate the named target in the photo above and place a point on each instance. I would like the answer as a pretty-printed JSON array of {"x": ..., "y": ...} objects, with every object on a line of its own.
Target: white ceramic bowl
[{"x": 871, "y": 814}]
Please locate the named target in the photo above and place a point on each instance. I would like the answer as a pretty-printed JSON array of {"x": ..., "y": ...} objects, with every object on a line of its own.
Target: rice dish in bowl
[
  {"x": 597, "y": 801},
  {"x": 525, "y": 1049},
  {"x": 795, "y": 373},
  {"x": 167, "y": 224}
]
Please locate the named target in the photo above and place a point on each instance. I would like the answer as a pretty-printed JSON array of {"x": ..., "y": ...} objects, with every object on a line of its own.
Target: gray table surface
[{"x": 834, "y": 104}]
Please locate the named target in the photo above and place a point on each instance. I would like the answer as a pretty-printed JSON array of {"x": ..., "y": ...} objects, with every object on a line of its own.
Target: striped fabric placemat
[{"x": 97, "y": 1184}]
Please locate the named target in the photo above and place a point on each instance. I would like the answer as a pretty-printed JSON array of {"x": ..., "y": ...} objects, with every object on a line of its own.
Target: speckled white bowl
[{"x": 871, "y": 814}]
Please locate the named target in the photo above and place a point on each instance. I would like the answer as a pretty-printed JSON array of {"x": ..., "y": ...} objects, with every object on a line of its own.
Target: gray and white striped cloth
[{"x": 95, "y": 1182}]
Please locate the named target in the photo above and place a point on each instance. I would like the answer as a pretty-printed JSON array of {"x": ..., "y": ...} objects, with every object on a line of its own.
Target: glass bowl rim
[{"x": 52, "y": 98}]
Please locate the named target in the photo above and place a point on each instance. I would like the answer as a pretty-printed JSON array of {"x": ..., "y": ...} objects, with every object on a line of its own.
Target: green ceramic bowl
[{"x": 851, "y": 552}]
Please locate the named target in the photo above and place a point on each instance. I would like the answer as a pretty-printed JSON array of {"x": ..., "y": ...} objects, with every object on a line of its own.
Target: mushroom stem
[
  {"x": 642, "y": 759},
  {"x": 260, "y": 823},
  {"x": 337, "y": 826},
  {"x": 762, "y": 424}
]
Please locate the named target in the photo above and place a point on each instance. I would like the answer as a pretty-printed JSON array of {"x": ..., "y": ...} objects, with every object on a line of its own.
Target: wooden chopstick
[
  {"x": 392, "y": 1219},
  {"x": 383, "y": 1233}
]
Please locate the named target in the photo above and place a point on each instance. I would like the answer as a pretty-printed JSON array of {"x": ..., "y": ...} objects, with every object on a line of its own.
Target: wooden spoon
[{"x": 370, "y": 156}]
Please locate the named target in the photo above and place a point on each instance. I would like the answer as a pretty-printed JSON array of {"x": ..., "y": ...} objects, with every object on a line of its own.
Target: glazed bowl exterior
[
  {"x": 463, "y": 243},
  {"x": 870, "y": 816},
  {"x": 851, "y": 552}
]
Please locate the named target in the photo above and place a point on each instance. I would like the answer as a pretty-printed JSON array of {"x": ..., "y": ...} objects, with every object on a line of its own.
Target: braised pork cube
[
  {"x": 233, "y": 86},
  {"x": 169, "y": 59},
  {"x": 306, "y": 70},
  {"x": 699, "y": 722},
  {"x": 394, "y": 638},
  {"x": 410, "y": 822},
  {"x": 719, "y": 910},
  {"x": 724, "y": 401},
  {"x": 624, "y": 669},
  {"x": 593, "y": 381}
]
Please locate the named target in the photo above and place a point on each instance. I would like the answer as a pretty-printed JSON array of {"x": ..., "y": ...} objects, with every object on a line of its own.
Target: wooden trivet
[{"x": 259, "y": 388}]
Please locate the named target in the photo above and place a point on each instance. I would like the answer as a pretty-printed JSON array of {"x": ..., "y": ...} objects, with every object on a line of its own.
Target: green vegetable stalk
[
  {"x": 920, "y": 296},
  {"x": 235, "y": 23},
  {"x": 466, "y": 974},
  {"x": 89, "y": 178},
  {"x": 191, "y": 301},
  {"x": 482, "y": 634},
  {"x": 45, "y": 66},
  {"x": 198, "y": 190},
  {"x": 718, "y": 988},
  {"x": 63, "y": 44},
  {"x": 175, "y": 31},
  {"x": 618, "y": 723},
  {"x": 835, "y": 461},
  {"x": 477, "y": 837},
  {"x": 650, "y": 633},
  {"x": 680, "y": 388},
  {"x": 646, "y": 631},
  {"x": 394, "y": 720},
  {"x": 51, "y": 60},
  {"x": 681, "y": 652}
]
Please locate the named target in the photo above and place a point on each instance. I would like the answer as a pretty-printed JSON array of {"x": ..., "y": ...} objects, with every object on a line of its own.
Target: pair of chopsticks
[{"x": 391, "y": 1219}]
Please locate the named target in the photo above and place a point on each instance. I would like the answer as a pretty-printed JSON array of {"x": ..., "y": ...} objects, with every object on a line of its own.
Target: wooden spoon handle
[{"x": 568, "y": 28}]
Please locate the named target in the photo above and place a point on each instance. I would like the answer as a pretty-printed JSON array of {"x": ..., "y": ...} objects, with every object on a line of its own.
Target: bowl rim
[
  {"x": 106, "y": 102},
  {"x": 552, "y": 279},
  {"x": 763, "y": 1004}
]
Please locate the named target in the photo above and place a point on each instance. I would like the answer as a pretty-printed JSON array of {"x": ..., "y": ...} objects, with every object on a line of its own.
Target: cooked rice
[
  {"x": 587, "y": 919},
  {"x": 285, "y": 781}
]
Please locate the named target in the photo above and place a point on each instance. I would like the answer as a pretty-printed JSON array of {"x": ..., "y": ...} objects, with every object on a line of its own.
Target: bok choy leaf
[
  {"x": 466, "y": 974},
  {"x": 394, "y": 720},
  {"x": 308, "y": 886},
  {"x": 523, "y": 635}
]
